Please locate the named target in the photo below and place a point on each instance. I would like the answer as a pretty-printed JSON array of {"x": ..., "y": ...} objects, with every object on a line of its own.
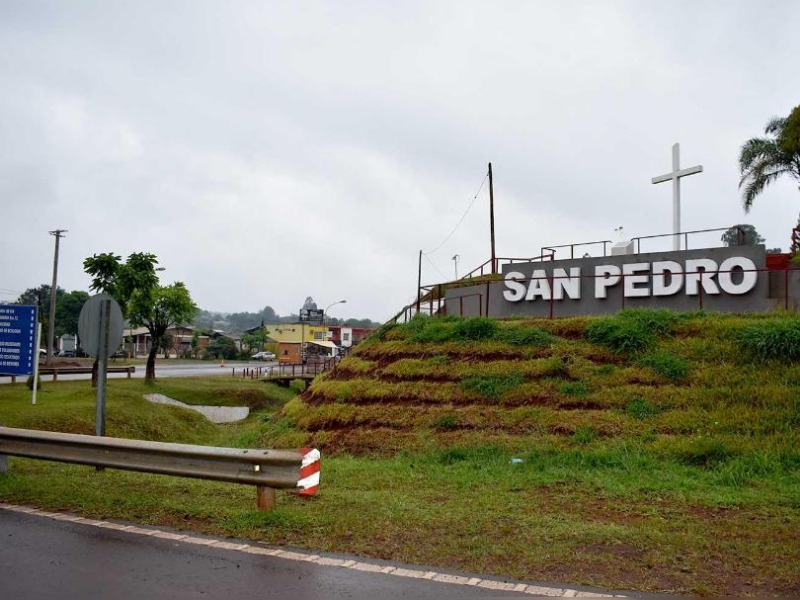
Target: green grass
[{"x": 668, "y": 463}]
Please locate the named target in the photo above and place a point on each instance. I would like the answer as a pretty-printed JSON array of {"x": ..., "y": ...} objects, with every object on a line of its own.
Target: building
[{"x": 348, "y": 336}]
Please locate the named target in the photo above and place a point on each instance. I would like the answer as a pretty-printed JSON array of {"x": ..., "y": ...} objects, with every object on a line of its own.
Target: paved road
[
  {"x": 165, "y": 369},
  {"x": 42, "y": 558}
]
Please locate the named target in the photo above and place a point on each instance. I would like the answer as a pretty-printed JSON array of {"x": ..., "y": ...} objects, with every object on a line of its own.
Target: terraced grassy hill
[{"x": 699, "y": 388}]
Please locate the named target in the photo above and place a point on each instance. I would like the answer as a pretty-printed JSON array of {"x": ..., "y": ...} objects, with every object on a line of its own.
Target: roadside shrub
[
  {"x": 619, "y": 335},
  {"x": 639, "y": 408},
  {"x": 659, "y": 322},
  {"x": 478, "y": 328},
  {"x": 574, "y": 388},
  {"x": 448, "y": 421},
  {"x": 632, "y": 330},
  {"x": 665, "y": 363},
  {"x": 491, "y": 387},
  {"x": 29, "y": 383},
  {"x": 777, "y": 339},
  {"x": 524, "y": 336}
]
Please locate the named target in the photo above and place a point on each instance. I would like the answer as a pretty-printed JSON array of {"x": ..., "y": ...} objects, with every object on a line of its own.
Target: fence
[{"x": 266, "y": 469}]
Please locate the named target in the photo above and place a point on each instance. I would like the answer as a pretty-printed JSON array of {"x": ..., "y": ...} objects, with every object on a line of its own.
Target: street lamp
[
  {"x": 325, "y": 312},
  {"x": 455, "y": 262}
]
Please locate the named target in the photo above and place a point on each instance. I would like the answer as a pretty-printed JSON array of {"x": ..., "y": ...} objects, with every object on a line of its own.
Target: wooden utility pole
[
  {"x": 419, "y": 280},
  {"x": 491, "y": 219},
  {"x": 51, "y": 325}
]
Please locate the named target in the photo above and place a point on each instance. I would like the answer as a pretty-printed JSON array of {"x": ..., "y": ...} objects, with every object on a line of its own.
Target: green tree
[
  {"x": 222, "y": 347},
  {"x": 135, "y": 286},
  {"x": 158, "y": 309},
  {"x": 742, "y": 235},
  {"x": 68, "y": 309},
  {"x": 255, "y": 341},
  {"x": 763, "y": 160}
]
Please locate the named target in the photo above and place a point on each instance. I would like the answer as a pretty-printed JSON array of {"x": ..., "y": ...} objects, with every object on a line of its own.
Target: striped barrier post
[{"x": 309, "y": 471}]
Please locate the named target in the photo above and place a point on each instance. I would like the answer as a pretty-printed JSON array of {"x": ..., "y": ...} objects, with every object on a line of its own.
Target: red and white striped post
[{"x": 309, "y": 472}]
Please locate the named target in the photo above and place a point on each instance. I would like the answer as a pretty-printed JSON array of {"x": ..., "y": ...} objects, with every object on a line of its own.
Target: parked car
[
  {"x": 66, "y": 354},
  {"x": 263, "y": 355}
]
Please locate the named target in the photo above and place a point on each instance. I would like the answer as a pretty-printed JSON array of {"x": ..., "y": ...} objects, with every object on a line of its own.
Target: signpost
[
  {"x": 19, "y": 342},
  {"x": 100, "y": 330}
]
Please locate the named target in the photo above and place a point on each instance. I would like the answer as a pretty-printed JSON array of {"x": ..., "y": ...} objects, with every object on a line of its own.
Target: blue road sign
[{"x": 18, "y": 352}]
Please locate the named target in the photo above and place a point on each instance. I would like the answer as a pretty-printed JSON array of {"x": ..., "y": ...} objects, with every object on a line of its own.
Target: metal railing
[
  {"x": 266, "y": 469},
  {"x": 572, "y": 247},
  {"x": 741, "y": 236}
]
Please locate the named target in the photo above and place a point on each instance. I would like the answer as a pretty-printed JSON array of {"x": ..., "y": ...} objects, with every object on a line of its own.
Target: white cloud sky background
[{"x": 267, "y": 151}]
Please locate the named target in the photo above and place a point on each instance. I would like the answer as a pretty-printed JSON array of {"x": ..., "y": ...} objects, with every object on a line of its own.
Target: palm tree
[{"x": 763, "y": 160}]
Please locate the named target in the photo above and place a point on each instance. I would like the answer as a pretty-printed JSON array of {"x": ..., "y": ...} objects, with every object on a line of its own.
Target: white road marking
[{"x": 491, "y": 584}]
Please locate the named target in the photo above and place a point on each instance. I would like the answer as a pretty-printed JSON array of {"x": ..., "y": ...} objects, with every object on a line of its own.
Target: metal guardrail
[{"x": 266, "y": 469}]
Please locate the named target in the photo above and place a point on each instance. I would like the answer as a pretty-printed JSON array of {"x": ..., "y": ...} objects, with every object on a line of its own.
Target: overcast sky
[{"x": 268, "y": 151}]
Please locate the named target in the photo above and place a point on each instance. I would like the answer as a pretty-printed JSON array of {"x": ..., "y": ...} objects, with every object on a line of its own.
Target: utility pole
[
  {"x": 491, "y": 219},
  {"x": 419, "y": 280},
  {"x": 51, "y": 324}
]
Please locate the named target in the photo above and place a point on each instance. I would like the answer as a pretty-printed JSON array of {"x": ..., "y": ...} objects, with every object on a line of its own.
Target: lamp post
[
  {"x": 325, "y": 312},
  {"x": 455, "y": 262}
]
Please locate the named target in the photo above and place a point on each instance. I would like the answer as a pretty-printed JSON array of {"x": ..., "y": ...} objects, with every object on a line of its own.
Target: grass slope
[{"x": 655, "y": 450}]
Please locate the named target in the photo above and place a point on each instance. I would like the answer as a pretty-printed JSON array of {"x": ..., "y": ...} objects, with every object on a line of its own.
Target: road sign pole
[
  {"x": 36, "y": 361},
  {"x": 102, "y": 368}
]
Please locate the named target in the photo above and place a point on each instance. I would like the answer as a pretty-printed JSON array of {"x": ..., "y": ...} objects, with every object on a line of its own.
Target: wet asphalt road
[{"x": 43, "y": 559}]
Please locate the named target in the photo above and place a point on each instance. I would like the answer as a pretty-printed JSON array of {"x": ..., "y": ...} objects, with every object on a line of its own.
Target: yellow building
[{"x": 296, "y": 333}]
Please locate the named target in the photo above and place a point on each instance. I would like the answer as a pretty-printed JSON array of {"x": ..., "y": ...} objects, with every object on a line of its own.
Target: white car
[{"x": 263, "y": 355}]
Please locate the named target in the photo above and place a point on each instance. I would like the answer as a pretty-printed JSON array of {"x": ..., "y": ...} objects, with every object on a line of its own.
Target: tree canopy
[
  {"x": 145, "y": 303},
  {"x": 742, "y": 235},
  {"x": 764, "y": 160}
]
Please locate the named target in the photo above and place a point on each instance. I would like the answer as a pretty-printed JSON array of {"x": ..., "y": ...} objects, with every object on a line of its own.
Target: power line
[
  {"x": 434, "y": 266},
  {"x": 461, "y": 220}
]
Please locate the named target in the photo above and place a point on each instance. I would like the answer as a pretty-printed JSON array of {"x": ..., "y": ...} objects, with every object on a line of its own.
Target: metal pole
[
  {"x": 491, "y": 217},
  {"x": 53, "y": 289},
  {"x": 36, "y": 362},
  {"x": 102, "y": 369}
]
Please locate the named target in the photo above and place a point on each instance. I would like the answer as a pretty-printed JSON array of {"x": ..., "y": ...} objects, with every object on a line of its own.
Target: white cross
[{"x": 675, "y": 176}]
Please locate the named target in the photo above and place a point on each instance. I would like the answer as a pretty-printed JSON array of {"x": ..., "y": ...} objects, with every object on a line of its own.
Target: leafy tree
[
  {"x": 135, "y": 286},
  {"x": 158, "y": 309},
  {"x": 309, "y": 303},
  {"x": 40, "y": 297},
  {"x": 68, "y": 309},
  {"x": 255, "y": 341},
  {"x": 222, "y": 347},
  {"x": 751, "y": 237},
  {"x": 763, "y": 160}
]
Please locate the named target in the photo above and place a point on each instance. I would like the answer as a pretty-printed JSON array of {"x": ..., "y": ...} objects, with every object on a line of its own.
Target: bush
[
  {"x": 777, "y": 339},
  {"x": 667, "y": 364},
  {"x": 639, "y": 408},
  {"x": 632, "y": 330},
  {"x": 619, "y": 335},
  {"x": 29, "y": 383},
  {"x": 524, "y": 336},
  {"x": 574, "y": 388},
  {"x": 478, "y": 328},
  {"x": 448, "y": 421}
]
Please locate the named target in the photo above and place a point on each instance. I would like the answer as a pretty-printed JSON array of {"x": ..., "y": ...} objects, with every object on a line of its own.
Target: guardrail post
[
  {"x": 3, "y": 463},
  {"x": 265, "y": 498}
]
